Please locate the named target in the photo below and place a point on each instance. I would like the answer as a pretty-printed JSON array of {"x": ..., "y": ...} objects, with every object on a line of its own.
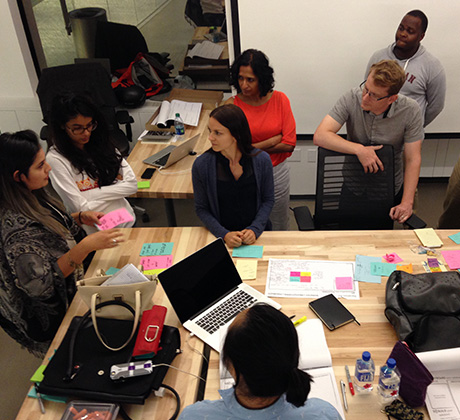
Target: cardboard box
[{"x": 209, "y": 98}]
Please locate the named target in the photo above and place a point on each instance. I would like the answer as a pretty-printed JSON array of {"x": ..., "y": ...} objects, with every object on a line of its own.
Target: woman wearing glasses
[{"x": 89, "y": 173}]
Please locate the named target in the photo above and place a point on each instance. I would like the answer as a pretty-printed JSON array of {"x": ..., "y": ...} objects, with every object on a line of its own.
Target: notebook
[
  {"x": 206, "y": 292},
  {"x": 331, "y": 311},
  {"x": 172, "y": 154}
]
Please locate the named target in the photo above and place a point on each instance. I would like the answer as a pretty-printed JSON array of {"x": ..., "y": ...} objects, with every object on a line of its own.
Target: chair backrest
[
  {"x": 119, "y": 43},
  {"x": 90, "y": 79},
  {"x": 347, "y": 197}
]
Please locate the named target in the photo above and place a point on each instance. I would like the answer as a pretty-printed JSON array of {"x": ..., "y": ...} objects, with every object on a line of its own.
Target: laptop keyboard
[
  {"x": 226, "y": 311},
  {"x": 162, "y": 161}
]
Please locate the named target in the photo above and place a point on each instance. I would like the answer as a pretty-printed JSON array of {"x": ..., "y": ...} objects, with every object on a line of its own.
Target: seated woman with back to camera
[
  {"x": 89, "y": 173},
  {"x": 261, "y": 352},
  {"x": 232, "y": 181},
  {"x": 42, "y": 248}
]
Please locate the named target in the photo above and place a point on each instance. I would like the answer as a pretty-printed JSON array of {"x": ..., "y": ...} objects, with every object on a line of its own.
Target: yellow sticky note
[
  {"x": 38, "y": 375},
  {"x": 405, "y": 267},
  {"x": 143, "y": 184},
  {"x": 154, "y": 271},
  {"x": 428, "y": 237},
  {"x": 247, "y": 269}
]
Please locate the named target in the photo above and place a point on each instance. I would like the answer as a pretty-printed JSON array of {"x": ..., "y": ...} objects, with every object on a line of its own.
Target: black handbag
[
  {"x": 81, "y": 365},
  {"x": 424, "y": 309}
]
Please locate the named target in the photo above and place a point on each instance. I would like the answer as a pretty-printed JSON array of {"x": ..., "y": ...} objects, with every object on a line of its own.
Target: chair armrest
[
  {"x": 303, "y": 218},
  {"x": 414, "y": 222},
  {"x": 123, "y": 117}
]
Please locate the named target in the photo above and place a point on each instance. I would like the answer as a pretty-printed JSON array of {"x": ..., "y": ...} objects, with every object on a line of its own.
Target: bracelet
[
  {"x": 71, "y": 262},
  {"x": 79, "y": 218}
]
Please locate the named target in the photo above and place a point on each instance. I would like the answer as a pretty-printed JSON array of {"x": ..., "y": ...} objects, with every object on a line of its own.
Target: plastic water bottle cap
[
  {"x": 366, "y": 356},
  {"x": 177, "y": 114},
  {"x": 391, "y": 363}
]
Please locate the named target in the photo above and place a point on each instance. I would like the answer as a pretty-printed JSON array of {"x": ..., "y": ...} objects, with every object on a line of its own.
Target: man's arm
[
  {"x": 326, "y": 136},
  {"x": 435, "y": 97},
  {"x": 412, "y": 162}
]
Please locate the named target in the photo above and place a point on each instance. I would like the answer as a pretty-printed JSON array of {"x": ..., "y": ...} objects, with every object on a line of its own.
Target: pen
[
  {"x": 40, "y": 400},
  {"x": 350, "y": 384},
  {"x": 299, "y": 321},
  {"x": 292, "y": 317},
  {"x": 343, "y": 386}
]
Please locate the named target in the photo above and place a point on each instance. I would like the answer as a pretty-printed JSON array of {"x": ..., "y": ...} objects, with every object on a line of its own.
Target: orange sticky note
[{"x": 405, "y": 267}]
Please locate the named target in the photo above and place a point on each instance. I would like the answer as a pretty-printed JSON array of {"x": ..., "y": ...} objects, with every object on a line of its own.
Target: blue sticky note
[
  {"x": 382, "y": 269},
  {"x": 160, "y": 248},
  {"x": 33, "y": 394},
  {"x": 363, "y": 269},
  {"x": 248, "y": 251},
  {"x": 455, "y": 238},
  {"x": 111, "y": 271}
]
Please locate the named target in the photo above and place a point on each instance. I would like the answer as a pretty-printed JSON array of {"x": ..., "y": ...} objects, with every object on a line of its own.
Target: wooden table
[
  {"x": 174, "y": 182},
  {"x": 186, "y": 241},
  {"x": 346, "y": 344}
]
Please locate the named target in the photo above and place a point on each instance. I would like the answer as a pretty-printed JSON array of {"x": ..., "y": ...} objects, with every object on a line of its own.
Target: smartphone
[{"x": 148, "y": 173}]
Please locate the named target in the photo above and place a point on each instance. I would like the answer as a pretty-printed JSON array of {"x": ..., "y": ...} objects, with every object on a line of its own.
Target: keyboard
[
  {"x": 226, "y": 311},
  {"x": 162, "y": 161}
]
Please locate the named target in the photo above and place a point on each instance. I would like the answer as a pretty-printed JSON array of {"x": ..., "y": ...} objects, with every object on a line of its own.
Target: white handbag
[{"x": 137, "y": 295}]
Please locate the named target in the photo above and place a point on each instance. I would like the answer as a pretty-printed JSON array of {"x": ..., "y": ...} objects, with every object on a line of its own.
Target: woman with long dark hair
[
  {"x": 42, "y": 248},
  {"x": 261, "y": 352},
  {"x": 232, "y": 181},
  {"x": 89, "y": 173}
]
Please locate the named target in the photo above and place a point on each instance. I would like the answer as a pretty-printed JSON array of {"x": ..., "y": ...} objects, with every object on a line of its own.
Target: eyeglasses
[
  {"x": 80, "y": 130},
  {"x": 371, "y": 95}
]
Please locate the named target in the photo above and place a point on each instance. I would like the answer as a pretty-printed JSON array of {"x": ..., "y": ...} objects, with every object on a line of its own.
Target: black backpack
[{"x": 424, "y": 309}]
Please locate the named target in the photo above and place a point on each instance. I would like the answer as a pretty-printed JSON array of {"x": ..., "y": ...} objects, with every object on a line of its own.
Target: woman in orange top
[{"x": 271, "y": 122}]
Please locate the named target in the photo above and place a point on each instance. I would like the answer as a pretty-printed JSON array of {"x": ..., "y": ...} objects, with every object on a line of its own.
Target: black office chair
[
  {"x": 89, "y": 79},
  {"x": 121, "y": 43},
  {"x": 347, "y": 198}
]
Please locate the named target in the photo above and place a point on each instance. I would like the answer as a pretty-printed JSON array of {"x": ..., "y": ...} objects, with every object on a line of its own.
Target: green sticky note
[
  {"x": 382, "y": 269},
  {"x": 143, "y": 184},
  {"x": 248, "y": 251},
  {"x": 161, "y": 248},
  {"x": 455, "y": 238},
  {"x": 38, "y": 375},
  {"x": 111, "y": 271}
]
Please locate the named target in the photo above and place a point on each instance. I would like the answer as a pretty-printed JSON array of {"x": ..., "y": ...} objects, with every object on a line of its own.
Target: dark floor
[{"x": 17, "y": 365}]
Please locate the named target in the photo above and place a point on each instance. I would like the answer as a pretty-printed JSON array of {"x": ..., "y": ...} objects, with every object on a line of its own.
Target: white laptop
[
  {"x": 206, "y": 292},
  {"x": 172, "y": 154}
]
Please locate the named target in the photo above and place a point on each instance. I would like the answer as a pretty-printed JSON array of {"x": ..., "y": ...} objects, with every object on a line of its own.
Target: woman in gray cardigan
[{"x": 233, "y": 181}]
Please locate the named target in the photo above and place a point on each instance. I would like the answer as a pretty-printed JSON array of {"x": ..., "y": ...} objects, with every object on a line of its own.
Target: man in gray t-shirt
[{"x": 374, "y": 115}]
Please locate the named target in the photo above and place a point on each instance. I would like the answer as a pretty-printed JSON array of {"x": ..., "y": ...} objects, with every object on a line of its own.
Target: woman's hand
[
  {"x": 248, "y": 237},
  {"x": 104, "y": 239},
  {"x": 90, "y": 218},
  {"x": 233, "y": 239}
]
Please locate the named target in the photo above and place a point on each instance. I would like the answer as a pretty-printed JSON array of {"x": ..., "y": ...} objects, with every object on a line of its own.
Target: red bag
[
  {"x": 141, "y": 73},
  {"x": 148, "y": 337}
]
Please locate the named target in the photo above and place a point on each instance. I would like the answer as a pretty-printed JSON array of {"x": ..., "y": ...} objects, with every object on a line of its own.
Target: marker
[
  {"x": 350, "y": 384},
  {"x": 292, "y": 317},
  {"x": 344, "y": 387},
  {"x": 299, "y": 321},
  {"x": 40, "y": 400}
]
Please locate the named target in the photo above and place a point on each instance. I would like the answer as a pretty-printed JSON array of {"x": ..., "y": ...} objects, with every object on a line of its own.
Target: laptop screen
[{"x": 200, "y": 279}]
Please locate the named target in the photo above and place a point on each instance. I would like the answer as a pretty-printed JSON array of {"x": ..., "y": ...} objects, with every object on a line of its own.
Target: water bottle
[
  {"x": 179, "y": 126},
  {"x": 389, "y": 380},
  {"x": 364, "y": 373}
]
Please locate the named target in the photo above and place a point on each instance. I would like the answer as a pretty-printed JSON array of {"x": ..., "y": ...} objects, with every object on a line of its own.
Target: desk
[
  {"x": 346, "y": 344},
  {"x": 176, "y": 181},
  {"x": 186, "y": 241}
]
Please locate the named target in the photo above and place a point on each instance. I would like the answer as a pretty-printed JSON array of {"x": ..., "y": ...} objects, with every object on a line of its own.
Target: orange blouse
[{"x": 270, "y": 119}]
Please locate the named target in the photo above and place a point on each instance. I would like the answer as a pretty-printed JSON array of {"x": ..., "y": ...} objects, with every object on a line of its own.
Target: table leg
[{"x": 170, "y": 213}]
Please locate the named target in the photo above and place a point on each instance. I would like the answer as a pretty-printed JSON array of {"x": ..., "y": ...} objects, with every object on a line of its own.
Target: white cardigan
[{"x": 81, "y": 193}]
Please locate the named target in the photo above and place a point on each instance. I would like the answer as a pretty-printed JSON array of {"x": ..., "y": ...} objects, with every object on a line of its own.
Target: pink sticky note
[
  {"x": 159, "y": 261},
  {"x": 392, "y": 258},
  {"x": 114, "y": 218},
  {"x": 344, "y": 283},
  {"x": 452, "y": 258}
]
